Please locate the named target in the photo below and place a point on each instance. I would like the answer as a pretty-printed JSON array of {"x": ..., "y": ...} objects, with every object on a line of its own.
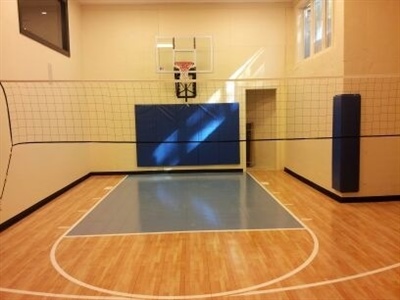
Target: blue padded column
[{"x": 346, "y": 142}]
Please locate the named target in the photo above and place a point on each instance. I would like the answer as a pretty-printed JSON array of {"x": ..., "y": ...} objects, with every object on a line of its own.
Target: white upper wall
[
  {"x": 22, "y": 58},
  {"x": 372, "y": 37},
  {"x": 36, "y": 170},
  {"x": 328, "y": 62},
  {"x": 366, "y": 41},
  {"x": 119, "y": 41}
]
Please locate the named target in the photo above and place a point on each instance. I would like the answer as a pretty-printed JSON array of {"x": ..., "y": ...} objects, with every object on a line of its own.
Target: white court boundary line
[
  {"x": 62, "y": 296},
  {"x": 270, "y": 291},
  {"x": 250, "y": 290},
  {"x": 74, "y": 280},
  {"x": 320, "y": 283},
  {"x": 177, "y": 232}
]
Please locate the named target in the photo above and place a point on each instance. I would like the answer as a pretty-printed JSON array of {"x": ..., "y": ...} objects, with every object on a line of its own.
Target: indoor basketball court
[{"x": 204, "y": 150}]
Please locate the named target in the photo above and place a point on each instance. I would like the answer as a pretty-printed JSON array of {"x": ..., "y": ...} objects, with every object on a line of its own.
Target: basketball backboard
[{"x": 196, "y": 49}]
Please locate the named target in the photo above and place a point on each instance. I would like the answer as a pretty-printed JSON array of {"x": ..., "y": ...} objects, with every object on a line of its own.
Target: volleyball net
[{"x": 278, "y": 109}]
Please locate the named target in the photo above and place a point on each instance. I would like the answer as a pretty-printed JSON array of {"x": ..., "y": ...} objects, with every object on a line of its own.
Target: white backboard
[{"x": 170, "y": 49}]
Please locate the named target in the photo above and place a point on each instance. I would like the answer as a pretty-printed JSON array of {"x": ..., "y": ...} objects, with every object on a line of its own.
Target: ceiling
[{"x": 175, "y": 1}]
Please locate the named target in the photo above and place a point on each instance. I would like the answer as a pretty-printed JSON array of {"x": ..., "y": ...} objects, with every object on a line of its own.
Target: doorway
[{"x": 261, "y": 128}]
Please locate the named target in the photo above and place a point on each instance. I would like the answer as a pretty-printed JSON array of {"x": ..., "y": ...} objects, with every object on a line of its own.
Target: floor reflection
[{"x": 185, "y": 202}]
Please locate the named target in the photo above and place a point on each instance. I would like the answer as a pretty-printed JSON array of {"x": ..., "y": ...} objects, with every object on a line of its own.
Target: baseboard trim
[
  {"x": 40, "y": 204},
  {"x": 338, "y": 198},
  {"x": 172, "y": 171}
]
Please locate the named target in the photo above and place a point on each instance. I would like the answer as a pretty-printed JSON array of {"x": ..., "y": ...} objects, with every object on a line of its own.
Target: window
[
  {"x": 316, "y": 26},
  {"x": 307, "y": 30},
  {"x": 45, "y": 21},
  {"x": 328, "y": 22}
]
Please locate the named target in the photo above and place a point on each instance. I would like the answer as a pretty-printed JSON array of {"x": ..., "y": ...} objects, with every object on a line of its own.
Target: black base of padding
[
  {"x": 338, "y": 198},
  {"x": 346, "y": 142}
]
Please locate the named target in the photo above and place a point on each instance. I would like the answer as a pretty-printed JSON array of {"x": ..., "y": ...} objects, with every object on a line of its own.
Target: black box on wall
[{"x": 346, "y": 142}]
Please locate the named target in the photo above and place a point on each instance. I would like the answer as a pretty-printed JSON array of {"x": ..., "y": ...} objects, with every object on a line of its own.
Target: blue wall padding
[
  {"x": 182, "y": 135},
  {"x": 346, "y": 142}
]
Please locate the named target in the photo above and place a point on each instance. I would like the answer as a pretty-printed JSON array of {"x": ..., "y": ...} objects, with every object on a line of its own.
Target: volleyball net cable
[{"x": 280, "y": 109}]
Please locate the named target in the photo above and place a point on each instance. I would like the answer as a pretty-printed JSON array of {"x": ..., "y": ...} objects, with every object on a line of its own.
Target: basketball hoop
[
  {"x": 185, "y": 76},
  {"x": 184, "y": 68}
]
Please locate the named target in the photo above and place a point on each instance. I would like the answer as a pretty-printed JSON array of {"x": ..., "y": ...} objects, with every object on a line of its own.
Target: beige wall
[
  {"x": 366, "y": 42},
  {"x": 21, "y": 58},
  {"x": 36, "y": 171},
  {"x": 312, "y": 158},
  {"x": 5, "y": 143},
  {"x": 328, "y": 62},
  {"x": 372, "y": 37},
  {"x": 119, "y": 41}
]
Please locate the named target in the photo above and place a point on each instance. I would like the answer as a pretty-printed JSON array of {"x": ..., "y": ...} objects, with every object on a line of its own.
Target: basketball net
[{"x": 184, "y": 68}]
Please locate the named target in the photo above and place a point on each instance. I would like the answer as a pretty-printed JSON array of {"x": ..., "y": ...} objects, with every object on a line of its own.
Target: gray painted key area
[{"x": 185, "y": 202}]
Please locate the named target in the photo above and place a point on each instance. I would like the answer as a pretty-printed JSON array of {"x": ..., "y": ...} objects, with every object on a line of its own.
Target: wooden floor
[{"x": 348, "y": 251}]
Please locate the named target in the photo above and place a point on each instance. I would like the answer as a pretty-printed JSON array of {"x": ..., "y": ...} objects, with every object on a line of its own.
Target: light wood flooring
[{"x": 347, "y": 251}]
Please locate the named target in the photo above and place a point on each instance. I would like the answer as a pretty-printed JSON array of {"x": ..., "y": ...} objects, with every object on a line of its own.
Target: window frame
[
  {"x": 63, "y": 28},
  {"x": 308, "y": 42},
  {"x": 319, "y": 25},
  {"x": 307, "y": 31}
]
